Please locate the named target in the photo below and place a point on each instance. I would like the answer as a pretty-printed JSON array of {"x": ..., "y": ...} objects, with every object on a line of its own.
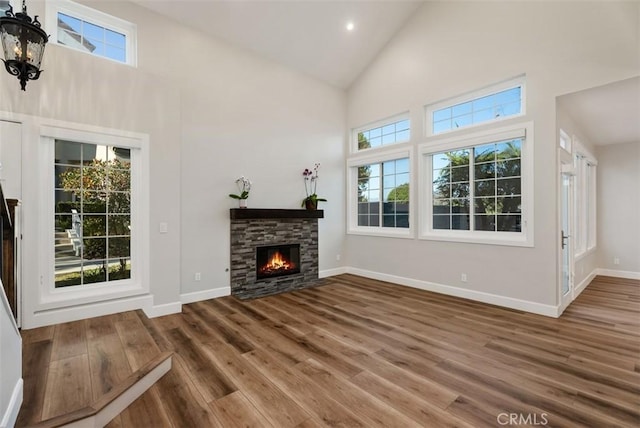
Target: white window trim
[
  {"x": 586, "y": 212},
  {"x": 138, "y": 284},
  {"x": 366, "y": 157},
  {"x": 449, "y": 102},
  {"x": 563, "y": 136},
  {"x": 380, "y": 123},
  {"x": 592, "y": 207},
  {"x": 95, "y": 17},
  {"x": 521, "y": 239}
]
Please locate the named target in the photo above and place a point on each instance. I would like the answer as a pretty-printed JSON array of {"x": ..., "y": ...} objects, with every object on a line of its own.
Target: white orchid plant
[{"x": 244, "y": 186}]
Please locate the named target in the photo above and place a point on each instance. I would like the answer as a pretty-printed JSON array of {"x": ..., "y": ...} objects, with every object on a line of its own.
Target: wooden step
[{"x": 111, "y": 404}]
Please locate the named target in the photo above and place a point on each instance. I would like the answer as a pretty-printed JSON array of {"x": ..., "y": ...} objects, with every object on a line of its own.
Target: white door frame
[{"x": 565, "y": 237}]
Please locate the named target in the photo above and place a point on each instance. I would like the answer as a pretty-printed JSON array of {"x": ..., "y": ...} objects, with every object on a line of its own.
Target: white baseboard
[
  {"x": 11, "y": 413},
  {"x": 332, "y": 272},
  {"x": 577, "y": 290},
  {"x": 90, "y": 310},
  {"x": 154, "y": 311},
  {"x": 508, "y": 302},
  {"x": 619, "y": 273},
  {"x": 198, "y": 296},
  {"x": 581, "y": 287}
]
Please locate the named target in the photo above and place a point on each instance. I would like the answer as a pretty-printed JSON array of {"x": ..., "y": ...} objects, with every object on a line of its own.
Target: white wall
[
  {"x": 10, "y": 365},
  {"x": 618, "y": 207},
  {"x": 241, "y": 115},
  {"x": 450, "y": 48},
  {"x": 233, "y": 114}
]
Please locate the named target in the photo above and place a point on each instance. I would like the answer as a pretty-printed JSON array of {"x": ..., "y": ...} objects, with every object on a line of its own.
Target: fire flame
[{"x": 277, "y": 264}]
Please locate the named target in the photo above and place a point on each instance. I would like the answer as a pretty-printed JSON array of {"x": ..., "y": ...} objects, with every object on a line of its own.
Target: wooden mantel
[{"x": 271, "y": 213}]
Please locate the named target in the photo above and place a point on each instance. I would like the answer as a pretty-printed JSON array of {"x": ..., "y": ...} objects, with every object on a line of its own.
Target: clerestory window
[
  {"x": 91, "y": 31},
  {"x": 491, "y": 104}
]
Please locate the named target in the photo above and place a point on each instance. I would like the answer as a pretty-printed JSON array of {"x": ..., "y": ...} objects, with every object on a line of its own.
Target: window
[
  {"x": 565, "y": 141},
  {"x": 383, "y": 194},
  {"x": 477, "y": 189},
  {"x": 585, "y": 200},
  {"x": 395, "y": 130},
  {"x": 88, "y": 30},
  {"x": 95, "y": 237},
  {"x": 379, "y": 179},
  {"x": 590, "y": 184},
  {"x": 494, "y": 103},
  {"x": 92, "y": 213}
]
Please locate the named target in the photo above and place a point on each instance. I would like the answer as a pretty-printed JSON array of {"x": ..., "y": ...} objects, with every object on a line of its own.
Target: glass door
[{"x": 565, "y": 240}]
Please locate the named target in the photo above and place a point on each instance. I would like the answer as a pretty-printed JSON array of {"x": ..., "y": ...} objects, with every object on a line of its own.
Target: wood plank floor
[
  {"x": 355, "y": 353},
  {"x": 69, "y": 366}
]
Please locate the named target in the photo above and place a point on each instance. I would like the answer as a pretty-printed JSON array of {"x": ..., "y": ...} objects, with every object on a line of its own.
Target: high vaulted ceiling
[
  {"x": 306, "y": 35},
  {"x": 311, "y": 36}
]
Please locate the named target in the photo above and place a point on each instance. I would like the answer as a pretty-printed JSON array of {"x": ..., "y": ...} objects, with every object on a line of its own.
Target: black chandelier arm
[{"x": 23, "y": 71}]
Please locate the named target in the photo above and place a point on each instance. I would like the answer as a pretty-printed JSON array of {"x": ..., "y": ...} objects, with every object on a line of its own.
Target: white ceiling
[
  {"x": 306, "y": 35},
  {"x": 608, "y": 114},
  {"x": 311, "y": 36}
]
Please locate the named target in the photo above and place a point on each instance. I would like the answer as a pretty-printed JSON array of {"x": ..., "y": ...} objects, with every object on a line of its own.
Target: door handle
[{"x": 563, "y": 239}]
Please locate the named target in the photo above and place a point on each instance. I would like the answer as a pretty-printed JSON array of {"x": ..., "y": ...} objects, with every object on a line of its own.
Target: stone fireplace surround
[{"x": 252, "y": 228}]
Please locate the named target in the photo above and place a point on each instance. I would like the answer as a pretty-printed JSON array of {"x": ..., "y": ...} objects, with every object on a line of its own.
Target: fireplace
[
  {"x": 288, "y": 236},
  {"x": 277, "y": 260}
]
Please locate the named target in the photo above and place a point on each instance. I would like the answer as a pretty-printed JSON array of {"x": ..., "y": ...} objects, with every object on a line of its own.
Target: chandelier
[{"x": 23, "y": 43}]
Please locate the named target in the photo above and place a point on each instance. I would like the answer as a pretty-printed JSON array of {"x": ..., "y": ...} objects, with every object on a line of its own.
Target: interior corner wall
[
  {"x": 618, "y": 205},
  {"x": 451, "y": 48},
  {"x": 238, "y": 115}
]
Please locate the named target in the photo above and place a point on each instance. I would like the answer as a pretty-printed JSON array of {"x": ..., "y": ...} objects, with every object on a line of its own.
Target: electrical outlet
[
  {"x": 197, "y": 276},
  {"x": 616, "y": 260},
  {"x": 463, "y": 277},
  {"x": 338, "y": 257},
  {"x": 163, "y": 227}
]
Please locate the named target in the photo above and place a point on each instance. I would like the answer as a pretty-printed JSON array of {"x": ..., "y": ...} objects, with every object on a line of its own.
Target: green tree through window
[
  {"x": 495, "y": 180},
  {"x": 93, "y": 214}
]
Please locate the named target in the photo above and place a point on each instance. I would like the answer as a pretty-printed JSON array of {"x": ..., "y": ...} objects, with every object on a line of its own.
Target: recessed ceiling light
[{"x": 350, "y": 26}]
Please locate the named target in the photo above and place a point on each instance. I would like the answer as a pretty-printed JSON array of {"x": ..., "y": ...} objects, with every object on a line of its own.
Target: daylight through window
[
  {"x": 85, "y": 36},
  {"x": 492, "y": 104},
  {"x": 92, "y": 213},
  {"x": 389, "y": 133},
  {"x": 478, "y": 188},
  {"x": 383, "y": 194},
  {"x": 585, "y": 202},
  {"x": 88, "y": 30}
]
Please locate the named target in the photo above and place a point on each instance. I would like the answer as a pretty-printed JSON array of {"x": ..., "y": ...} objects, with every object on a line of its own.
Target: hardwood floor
[
  {"x": 68, "y": 366},
  {"x": 355, "y": 353}
]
